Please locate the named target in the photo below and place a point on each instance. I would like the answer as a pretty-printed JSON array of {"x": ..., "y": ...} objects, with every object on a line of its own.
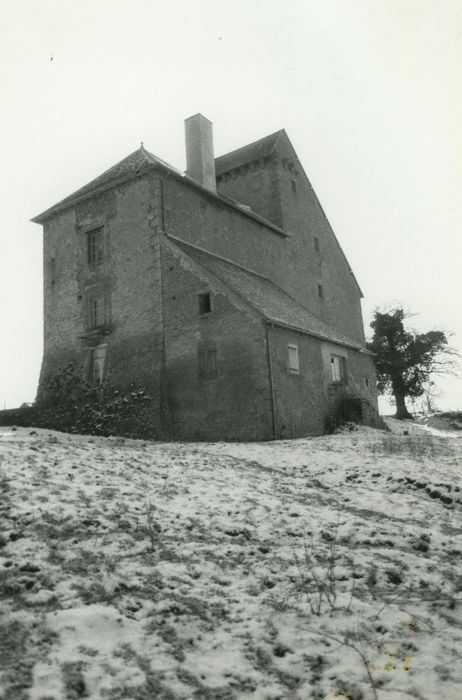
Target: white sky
[{"x": 368, "y": 91}]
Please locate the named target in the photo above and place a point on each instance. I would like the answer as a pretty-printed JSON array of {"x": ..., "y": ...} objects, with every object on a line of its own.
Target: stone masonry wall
[
  {"x": 301, "y": 402},
  {"x": 237, "y": 404},
  {"x": 278, "y": 189},
  {"x": 315, "y": 256},
  {"x": 256, "y": 185},
  {"x": 203, "y": 220},
  {"x": 128, "y": 277}
]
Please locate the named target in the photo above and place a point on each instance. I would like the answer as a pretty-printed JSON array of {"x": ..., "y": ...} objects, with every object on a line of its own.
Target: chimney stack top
[{"x": 200, "y": 160}]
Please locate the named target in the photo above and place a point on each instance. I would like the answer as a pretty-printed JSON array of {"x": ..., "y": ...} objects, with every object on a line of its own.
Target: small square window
[
  {"x": 293, "y": 185},
  {"x": 316, "y": 244},
  {"x": 96, "y": 308},
  {"x": 205, "y": 306},
  {"x": 338, "y": 369},
  {"x": 293, "y": 362},
  {"x": 320, "y": 291},
  {"x": 95, "y": 247}
]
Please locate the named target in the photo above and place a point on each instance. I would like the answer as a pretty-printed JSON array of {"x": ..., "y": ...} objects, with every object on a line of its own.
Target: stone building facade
[{"x": 222, "y": 292}]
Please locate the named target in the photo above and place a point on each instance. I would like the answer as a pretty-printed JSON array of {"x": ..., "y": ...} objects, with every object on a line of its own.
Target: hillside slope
[{"x": 312, "y": 569}]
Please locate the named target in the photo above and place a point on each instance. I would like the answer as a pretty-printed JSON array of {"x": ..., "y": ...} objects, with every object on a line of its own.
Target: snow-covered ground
[{"x": 314, "y": 569}]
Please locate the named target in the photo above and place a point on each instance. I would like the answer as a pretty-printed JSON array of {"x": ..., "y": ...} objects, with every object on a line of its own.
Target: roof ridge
[
  {"x": 252, "y": 143},
  {"x": 261, "y": 148}
]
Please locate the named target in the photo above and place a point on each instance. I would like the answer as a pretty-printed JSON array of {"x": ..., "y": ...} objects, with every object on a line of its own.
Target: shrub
[
  {"x": 73, "y": 405},
  {"x": 345, "y": 409}
]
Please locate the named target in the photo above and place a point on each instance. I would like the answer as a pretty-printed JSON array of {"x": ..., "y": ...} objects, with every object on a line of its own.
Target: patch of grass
[{"x": 416, "y": 446}]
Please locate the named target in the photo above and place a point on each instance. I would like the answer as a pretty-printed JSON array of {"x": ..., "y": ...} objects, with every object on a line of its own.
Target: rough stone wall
[
  {"x": 301, "y": 402},
  {"x": 201, "y": 219},
  {"x": 304, "y": 219},
  {"x": 278, "y": 189},
  {"x": 129, "y": 278},
  {"x": 236, "y": 405},
  {"x": 256, "y": 185},
  {"x": 60, "y": 295}
]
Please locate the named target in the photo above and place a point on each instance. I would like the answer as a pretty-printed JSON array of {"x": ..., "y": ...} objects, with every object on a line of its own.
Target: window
[
  {"x": 53, "y": 270},
  {"x": 320, "y": 291},
  {"x": 207, "y": 356},
  {"x": 293, "y": 363},
  {"x": 316, "y": 244},
  {"x": 96, "y": 315},
  {"x": 205, "y": 306},
  {"x": 338, "y": 369},
  {"x": 293, "y": 185},
  {"x": 98, "y": 361},
  {"x": 95, "y": 247}
]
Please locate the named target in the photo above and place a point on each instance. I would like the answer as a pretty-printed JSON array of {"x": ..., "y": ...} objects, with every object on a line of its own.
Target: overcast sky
[{"x": 367, "y": 90}]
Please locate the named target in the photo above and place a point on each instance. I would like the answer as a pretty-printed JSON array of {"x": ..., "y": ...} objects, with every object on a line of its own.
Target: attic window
[
  {"x": 316, "y": 244},
  {"x": 293, "y": 364},
  {"x": 205, "y": 306},
  {"x": 95, "y": 247},
  {"x": 293, "y": 185},
  {"x": 320, "y": 291}
]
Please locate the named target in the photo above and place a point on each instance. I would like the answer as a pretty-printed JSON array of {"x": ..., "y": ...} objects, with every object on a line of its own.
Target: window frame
[
  {"x": 338, "y": 362},
  {"x": 205, "y": 303},
  {"x": 207, "y": 362},
  {"x": 96, "y": 319},
  {"x": 293, "y": 353},
  {"x": 97, "y": 371},
  {"x": 95, "y": 251}
]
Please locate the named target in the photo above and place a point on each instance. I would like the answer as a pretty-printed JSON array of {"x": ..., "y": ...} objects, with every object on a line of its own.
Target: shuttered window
[
  {"x": 338, "y": 369},
  {"x": 96, "y": 312},
  {"x": 293, "y": 363},
  {"x": 98, "y": 363},
  {"x": 207, "y": 357},
  {"x": 95, "y": 247}
]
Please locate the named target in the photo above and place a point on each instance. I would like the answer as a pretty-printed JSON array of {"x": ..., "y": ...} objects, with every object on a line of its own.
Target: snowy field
[{"x": 311, "y": 569}]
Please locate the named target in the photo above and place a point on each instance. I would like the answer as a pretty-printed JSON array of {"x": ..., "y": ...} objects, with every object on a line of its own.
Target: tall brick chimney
[{"x": 200, "y": 161}]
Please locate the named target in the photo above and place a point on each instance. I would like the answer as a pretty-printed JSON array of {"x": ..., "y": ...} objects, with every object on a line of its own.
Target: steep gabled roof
[
  {"x": 247, "y": 154},
  {"x": 133, "y": 165},
  {"x": 259, "y": 292},
  {"x": 129, "y": 167}
]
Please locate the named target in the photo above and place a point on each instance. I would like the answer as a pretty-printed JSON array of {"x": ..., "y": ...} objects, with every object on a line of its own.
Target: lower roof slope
[{"x": 263, "y": 295}]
